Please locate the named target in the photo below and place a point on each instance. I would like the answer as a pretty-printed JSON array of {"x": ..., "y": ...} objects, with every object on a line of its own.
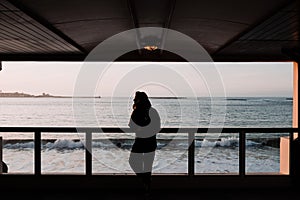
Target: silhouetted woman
[{"x": 145, "y": 122}]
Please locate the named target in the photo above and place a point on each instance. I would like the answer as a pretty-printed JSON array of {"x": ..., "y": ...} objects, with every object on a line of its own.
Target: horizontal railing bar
[
  {"x": 190, "y": 130},
  {"x": 128, "y": 130}
]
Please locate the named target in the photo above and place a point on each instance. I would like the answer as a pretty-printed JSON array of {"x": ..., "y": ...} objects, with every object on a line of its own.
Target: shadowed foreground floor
[
  {"x": 206, "y": 194},
  {"x": 65, "y": 187}
]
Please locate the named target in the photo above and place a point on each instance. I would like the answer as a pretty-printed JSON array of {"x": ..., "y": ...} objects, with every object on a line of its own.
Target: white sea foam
[
  {"x": 20, "y": 145},
  {"x": 115, "y": 160},
  {"x": 66, "y": 144}
]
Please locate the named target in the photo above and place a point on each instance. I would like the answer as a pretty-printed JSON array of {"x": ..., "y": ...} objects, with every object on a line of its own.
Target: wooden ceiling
[{"x": 229, "y": 30}]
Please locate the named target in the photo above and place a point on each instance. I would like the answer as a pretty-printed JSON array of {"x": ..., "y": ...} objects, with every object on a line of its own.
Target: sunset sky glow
[{"x": 238, "y": 79}]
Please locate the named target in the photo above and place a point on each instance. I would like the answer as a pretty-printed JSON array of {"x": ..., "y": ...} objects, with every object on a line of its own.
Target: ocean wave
[
  {"x": 20, "y": 145},
  {"x": 65, "y": 144},
  {"x": 58, "y": 144},
  {"x": 223, "y": 142}
]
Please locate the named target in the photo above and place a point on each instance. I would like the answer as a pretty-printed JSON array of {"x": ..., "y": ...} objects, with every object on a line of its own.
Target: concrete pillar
[
  {"x": 284, "y": 155},
  {"x": 295, "y": 97},
  {"x": 284, "y": 141}
]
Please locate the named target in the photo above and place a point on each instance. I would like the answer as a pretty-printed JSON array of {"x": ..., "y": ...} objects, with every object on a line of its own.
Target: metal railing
[
  {"x": 191, "y": 139},
  {"x": 1, "y": 167}
]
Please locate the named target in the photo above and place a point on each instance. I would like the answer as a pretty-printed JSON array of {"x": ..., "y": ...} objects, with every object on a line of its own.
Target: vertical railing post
[
  {"x": 1, "y": 167},
  {"x": 37, "y": 153},
  {"x": 88, "y": 153},
  {"x": 191, "y": 154},
  {"x": 291, "y": 157},
  {"x": 242, "y": 153}
]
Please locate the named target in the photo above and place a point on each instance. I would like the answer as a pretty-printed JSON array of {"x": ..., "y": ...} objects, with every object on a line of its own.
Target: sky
[{"x": 157, "y": 79}]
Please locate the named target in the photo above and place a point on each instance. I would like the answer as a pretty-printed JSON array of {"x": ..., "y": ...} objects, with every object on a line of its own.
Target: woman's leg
[
  {"x": 148, "y": 159},
  {"x": 136, "y": 162}
]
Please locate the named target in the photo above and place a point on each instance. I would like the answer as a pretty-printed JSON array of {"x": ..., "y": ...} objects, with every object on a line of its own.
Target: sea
[{"x": 215, "y": 153}]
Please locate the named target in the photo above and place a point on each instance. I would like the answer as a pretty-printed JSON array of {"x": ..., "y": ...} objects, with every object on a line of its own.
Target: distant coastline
[
  {"x": 46, "y": 95},
  {"x": 167, "y": 97},
  {"x": 43, "y": 95}
]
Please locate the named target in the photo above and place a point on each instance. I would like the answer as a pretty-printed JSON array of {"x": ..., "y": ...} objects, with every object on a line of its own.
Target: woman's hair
[{"x": 141, "y": 101}]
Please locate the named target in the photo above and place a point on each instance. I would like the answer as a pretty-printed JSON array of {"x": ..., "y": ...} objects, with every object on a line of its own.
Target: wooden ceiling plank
[
  {"x": 7, "y": 35},
  {"x": 250, "y": 28},
  {"x": 272, "y": 26},
  {"x": 15, "y": 46},
  {"x": 279, "y": 29},
  {"x": 29, "y": 27},
  {"x": 19, "y": 32},
  {"x": 46, "y": 24}
]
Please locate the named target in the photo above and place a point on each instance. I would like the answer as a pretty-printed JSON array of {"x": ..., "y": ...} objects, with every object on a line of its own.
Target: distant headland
[
  {"x": 43, "y": 95},
  {"x": 167, "y": 97}
]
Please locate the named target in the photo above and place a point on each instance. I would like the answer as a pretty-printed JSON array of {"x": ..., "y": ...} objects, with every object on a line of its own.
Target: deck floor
[
  {"x": 165, "y": 188},
  {"x": 203, "y": 194}
]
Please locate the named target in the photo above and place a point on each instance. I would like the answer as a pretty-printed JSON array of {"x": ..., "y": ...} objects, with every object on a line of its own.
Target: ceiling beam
[
  {"x": 167, "y": 24},
  {"x": 132, "y": 11},
  {"x": 170, "y": 15},
  {"x": 292, "y": 53},
  {"x": 135, "y": 22},
  {"x": 148, "y": 56},
  {"x": 42, "y": 57}
]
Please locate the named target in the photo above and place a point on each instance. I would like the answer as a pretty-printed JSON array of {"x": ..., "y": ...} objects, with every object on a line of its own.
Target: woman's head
[{"x": 141, "y": 100}]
